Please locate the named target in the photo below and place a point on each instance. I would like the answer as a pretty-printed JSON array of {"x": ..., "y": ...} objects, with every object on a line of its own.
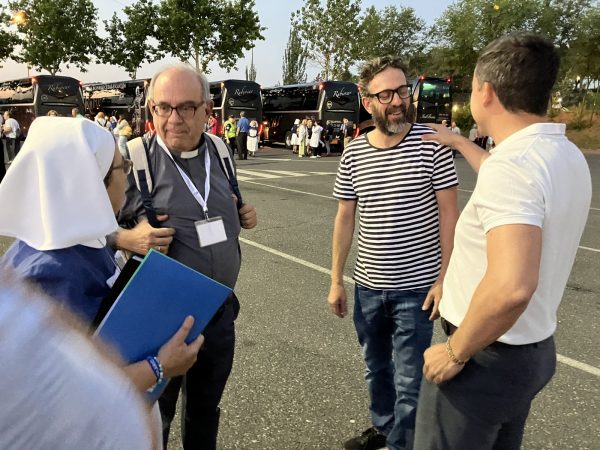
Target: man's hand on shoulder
[
  {"x": 248, "y": 219},
  {"x": 144, "y": 236}
]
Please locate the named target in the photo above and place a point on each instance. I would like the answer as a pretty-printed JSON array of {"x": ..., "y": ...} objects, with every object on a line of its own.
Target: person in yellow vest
[{"x": 230, "y": 132}]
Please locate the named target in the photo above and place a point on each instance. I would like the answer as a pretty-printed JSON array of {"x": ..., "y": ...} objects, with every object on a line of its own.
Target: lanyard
[{"x": 188, "y": 182}]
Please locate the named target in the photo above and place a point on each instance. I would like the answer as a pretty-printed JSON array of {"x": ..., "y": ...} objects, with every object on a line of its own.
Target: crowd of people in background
[{"x": 309, "y": 138}]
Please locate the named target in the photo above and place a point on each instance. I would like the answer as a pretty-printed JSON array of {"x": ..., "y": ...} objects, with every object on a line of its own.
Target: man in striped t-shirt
[{"x": 405, "y": 189}]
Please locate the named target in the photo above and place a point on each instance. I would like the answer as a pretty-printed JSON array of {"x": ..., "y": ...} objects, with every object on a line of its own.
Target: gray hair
[
  {"x": 375, "y": 66},
  {"x": 182, "y": 68}
]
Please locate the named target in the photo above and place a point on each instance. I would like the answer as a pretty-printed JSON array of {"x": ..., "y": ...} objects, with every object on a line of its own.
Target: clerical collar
[
  {"x": 183, "y": 155},
  {"x": 188, "y": 155}
]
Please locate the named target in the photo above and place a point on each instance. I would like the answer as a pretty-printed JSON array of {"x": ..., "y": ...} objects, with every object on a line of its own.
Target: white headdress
[{"x": 53, "y": 195}]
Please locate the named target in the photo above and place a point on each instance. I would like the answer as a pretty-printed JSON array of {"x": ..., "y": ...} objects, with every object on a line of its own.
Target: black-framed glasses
[
  {"x": 185, "y": 111},
  {"x": 125, "y": 167},
  {"x": 387, "y": 95}
]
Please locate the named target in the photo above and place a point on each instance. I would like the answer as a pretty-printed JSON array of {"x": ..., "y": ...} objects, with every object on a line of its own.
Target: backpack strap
[
  {"x": 226, "y": 165},
  {"x": 140, "y": 157}
]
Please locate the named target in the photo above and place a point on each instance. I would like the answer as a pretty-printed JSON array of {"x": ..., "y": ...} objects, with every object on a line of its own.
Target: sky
[{"x": 268, "y": 54}]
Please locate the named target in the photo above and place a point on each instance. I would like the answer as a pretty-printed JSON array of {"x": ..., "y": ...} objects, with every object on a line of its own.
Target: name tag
[{"x": 210, "y": 231}]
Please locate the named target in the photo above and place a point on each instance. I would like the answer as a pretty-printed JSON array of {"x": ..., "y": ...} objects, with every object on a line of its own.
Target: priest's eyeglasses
[
  {"x": 185, "y": 111},
  {"x": 387, "y": 95}
]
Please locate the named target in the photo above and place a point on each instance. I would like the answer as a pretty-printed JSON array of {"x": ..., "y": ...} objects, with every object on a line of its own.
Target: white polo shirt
[{"x": 536, "y": 177}]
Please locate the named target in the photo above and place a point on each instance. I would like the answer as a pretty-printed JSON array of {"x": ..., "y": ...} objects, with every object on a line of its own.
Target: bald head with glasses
[{"x": 179, "y": 100}]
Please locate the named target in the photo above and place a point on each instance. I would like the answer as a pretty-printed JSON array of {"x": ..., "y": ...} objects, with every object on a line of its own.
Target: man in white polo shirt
[{"x": 514, "y": 248}]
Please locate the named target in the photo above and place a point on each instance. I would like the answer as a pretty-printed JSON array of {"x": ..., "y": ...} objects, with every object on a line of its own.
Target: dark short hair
[
  {"x": 522, "y": 67},
  {"x": 377, "y": 65}
]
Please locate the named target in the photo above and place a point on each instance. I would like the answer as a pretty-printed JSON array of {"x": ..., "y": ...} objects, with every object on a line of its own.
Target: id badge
[{"x": 210, "y": 231}]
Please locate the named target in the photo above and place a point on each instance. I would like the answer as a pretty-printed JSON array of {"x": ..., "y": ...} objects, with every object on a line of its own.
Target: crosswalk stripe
[
  {"x": 289, "y": 174},
  {"x": 255, "y": 174}
]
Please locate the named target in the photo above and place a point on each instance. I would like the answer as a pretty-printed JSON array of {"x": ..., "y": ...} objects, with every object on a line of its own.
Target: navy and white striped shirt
[{"x": 398, "y": 239}]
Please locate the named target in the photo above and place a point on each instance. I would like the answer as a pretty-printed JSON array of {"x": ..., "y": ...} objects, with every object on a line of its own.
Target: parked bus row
[{"x": 274, "y": 108}]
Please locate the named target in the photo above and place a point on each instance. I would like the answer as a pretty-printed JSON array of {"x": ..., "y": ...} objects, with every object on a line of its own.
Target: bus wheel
[{"x": 288, "y": 140}]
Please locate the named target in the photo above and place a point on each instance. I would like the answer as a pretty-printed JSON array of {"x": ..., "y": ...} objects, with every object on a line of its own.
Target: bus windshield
[
  {"x": 341, "y": 97},
  {"x": 435, "y": 90},
  {"x": 241, "y": 95}
]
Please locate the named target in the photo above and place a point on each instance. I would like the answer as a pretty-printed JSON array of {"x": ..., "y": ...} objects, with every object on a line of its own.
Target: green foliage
[
  {"x": 294, "y": 60},
  {"x": 583, "y": 55},
  {"x": 329, "y": 32},
  {"x": 127, "y": 45},
  {"x": 462, "y": 117},
  {"x": 207, "y": 30},
  {"x": 579, "y": 121},
  {"x": 8, "y": 38},
  {"x": 391, "y": 31},
  {"x": 57, "y": 33},
  {"x": 467, "y": 26}
]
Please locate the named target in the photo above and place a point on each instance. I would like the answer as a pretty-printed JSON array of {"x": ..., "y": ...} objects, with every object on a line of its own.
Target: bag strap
[
  {"x": 139, "y": 151},
  {"x": 226, "y": 165},
  {"x": 140, "y": 157}
]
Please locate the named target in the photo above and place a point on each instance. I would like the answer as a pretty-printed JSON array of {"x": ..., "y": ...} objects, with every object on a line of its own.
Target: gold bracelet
[{"x": 451, "y": 354}]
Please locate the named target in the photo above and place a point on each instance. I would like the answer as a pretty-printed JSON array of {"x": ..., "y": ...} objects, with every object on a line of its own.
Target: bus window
[
  {"x": 121, "y": 97},
  {"x": 432, "y": 100},
  {"x": 324, "y": 101},
  {"x": 28, "y": 98},
  {"x": 230, "y": 97}
]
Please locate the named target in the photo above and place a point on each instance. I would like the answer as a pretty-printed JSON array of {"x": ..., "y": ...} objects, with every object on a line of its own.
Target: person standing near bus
[
  {"x": 302, "y": 139},
  {"x": 12, "y": 131},
  {"x": 345, "y": 132},
  {"x": 406, "y": 193},
  {"x": 230, "y": 132},
  {"x": 243, "y": 127}
]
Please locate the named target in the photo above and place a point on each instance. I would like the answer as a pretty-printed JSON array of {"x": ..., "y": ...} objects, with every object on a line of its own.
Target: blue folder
[{"x": 151, "y": 308}]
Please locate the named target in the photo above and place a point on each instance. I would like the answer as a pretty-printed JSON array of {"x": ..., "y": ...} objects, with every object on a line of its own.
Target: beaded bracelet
[
  {"x": 157, "y": 368},
  {"x": 451, "y": 354}
]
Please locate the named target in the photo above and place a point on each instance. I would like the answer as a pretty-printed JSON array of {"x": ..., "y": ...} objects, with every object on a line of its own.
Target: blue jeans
[{"x": 393, "y": 332}]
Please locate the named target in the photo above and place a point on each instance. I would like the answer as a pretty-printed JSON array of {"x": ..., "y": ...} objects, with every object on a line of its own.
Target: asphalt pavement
[{"x": 297, "y": 380}]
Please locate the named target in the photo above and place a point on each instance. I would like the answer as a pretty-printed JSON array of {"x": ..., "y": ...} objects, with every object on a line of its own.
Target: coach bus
[
  {"x": 431, "y": 102},
  {"x": 28, "y": 98},
  {"x": 230, "y": 97},
  {"x": 120, "y": 97},
  {"x": 322, "y": 101}
]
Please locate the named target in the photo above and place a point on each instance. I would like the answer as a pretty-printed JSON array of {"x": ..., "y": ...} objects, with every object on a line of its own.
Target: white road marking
[
  {"x": 256, "y": 174},
  {"x": 333, "y": 198},
  {"x": 561, "y": 358},
  {"x": 328, "y": 197}
]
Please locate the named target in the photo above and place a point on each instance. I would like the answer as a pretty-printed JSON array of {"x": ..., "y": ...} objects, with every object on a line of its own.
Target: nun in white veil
[
  {"x": 56, "y": 204},
  {"x": 59, "y": 198}
]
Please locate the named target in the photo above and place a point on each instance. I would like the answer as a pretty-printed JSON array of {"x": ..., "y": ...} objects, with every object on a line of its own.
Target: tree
[
  {"x": 583, "y": 55},
  {"x": 8, "y": 39},
  {"x": 57, "y": 33},
  {"x": 467, "y": 26},
  {"x": 294, "y": 60},
  {"x": 251, "y": 73},
  {"x": 203, "y": 31},
  {"x": 329, "y": 33},
  {"x": 391, "y": 31},
  {"x": 128, "y": 44}
]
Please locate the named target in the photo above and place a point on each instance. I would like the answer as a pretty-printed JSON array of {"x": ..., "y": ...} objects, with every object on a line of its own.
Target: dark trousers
[
  {"x": 11, "y": 148},
  {"x": 2, "y": 166},
  {"x": 486, "y": 405},
  {"x": 242, "y": 145},
  {"x": 203, "y": 385}
]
